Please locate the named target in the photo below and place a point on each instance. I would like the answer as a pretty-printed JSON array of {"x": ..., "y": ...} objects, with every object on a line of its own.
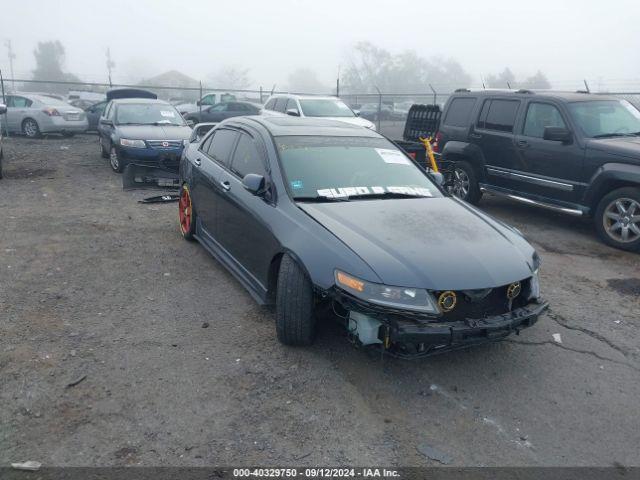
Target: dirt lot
[{"x": 94, "y": 284}]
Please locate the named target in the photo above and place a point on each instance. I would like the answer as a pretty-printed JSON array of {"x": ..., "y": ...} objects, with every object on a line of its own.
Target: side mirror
[
  {"x": 557, "y": 134},
  {"x": 437, "y": 178},
  {"x": 198, "y": 103},
  {"x": 3, "y": 108},
  {"x": 357, "y": 113},
  {"x": 190, "y": 123},
  {"x": 254, "y": 183},
  {"x": 293, "y": 112},
  {"x": 106, "y": 121}
]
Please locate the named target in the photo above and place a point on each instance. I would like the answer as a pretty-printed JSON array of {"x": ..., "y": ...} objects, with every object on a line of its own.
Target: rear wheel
[
  {"x": 617, "y": 218},
  {"x": 295, "y": 320},
  {"x": 30, "y": 128},
  {"x": 464, "y": 183},
  {"x": 186, "y": 213}
]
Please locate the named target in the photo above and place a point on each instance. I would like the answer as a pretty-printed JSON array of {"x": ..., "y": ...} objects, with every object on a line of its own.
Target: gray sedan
[{"x": 34, "y": 115}]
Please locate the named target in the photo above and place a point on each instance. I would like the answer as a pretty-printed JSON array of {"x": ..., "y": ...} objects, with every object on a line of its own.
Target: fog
[{"x": 567, "y": 40}]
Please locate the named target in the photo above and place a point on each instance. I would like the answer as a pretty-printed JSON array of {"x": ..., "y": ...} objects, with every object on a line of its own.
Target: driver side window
[{"x": 540, "y": 116}]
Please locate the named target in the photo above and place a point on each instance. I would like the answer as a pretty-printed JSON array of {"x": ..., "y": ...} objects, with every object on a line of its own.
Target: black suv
[{"x": 577, "y": 153}]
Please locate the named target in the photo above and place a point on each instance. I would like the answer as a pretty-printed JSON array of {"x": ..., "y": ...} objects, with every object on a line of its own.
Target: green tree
[{"x": 50, "y": 58}]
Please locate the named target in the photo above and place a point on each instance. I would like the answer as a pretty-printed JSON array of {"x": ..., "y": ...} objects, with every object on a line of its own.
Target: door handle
[
  {"x": 522, "y": 143},
  {"x": 475, "y": 135},
  {"x": 226, "y": 186},
  {"x": 198, "y": 162}
]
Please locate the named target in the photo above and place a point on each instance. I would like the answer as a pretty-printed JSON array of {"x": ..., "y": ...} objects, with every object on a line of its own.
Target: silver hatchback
[{"x": 33, "y": 115}]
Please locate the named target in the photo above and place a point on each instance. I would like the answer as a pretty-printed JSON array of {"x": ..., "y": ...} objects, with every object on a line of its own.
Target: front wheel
[
  {"x": 295, "y": 319},
  {"x": 617, "y": 218},
  {"x": 186, "y": 213},
  {"x": 117, "y": 165},
  {"x": 464, "y": 183}
]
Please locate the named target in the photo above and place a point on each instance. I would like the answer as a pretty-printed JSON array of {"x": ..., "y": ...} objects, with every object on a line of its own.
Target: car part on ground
[
  {"x": 168, "y": 198},
  {"x": 318, "y": 215},
  {"x": 136, "y": 176},
  {"x": 568, "y": 152}
]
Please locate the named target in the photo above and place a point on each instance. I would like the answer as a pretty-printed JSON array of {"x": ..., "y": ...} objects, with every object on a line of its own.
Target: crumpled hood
[
  {"x": 433, "y": 243},
  {"x": 154, "y": 132},
  {"x": 624, "y": 146}
]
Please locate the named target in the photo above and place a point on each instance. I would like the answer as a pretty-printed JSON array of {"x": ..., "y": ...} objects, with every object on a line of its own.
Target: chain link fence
[{"x": 387, "y": 110}]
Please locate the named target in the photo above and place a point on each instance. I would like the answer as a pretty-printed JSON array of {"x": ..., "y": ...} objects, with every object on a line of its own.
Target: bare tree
[
  {"x": 231, "y": 77},
  {"x": 49, "y": 66}
]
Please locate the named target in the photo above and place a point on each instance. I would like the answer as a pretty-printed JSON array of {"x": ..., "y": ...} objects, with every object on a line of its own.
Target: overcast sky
[{"x": 568, "y": 40}]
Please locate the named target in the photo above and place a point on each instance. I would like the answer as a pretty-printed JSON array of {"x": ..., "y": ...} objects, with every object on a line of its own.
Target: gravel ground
[{"x": 178, "y": 366}]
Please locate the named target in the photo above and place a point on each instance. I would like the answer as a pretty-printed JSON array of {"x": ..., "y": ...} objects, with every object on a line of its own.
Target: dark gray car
[
  {"x": 320, "y": 216},
  {"x": 222, "y": 111}
]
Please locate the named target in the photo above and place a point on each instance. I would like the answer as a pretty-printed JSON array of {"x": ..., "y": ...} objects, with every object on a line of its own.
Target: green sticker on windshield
[{"x": 297, "y": 184}]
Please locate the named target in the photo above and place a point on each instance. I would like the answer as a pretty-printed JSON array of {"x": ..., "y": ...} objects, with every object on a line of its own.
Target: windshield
[
  {"x": 602, "y": 118},
  {"x": 148, "y": 114},
  {"x": 328, "y": 168},
  {"x": 325, "y": 108}
]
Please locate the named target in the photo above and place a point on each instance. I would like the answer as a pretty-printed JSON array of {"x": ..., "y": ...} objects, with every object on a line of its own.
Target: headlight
[
  {"x": 414, "y": 299},
  {"x": 133, "y": 143}
]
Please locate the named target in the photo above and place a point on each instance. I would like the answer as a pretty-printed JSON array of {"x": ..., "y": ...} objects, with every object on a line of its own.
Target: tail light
[
  {"x": 412, "y": 155},
  {"x": 435, "y": 145},
  {"x": 52, "y": 112}
]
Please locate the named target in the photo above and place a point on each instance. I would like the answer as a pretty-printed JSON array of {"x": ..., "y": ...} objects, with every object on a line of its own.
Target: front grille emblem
[
  {"x": 165, "y": 144},
  {"x": 447, "y": 301},
  {"x": 514, "y": 290}
]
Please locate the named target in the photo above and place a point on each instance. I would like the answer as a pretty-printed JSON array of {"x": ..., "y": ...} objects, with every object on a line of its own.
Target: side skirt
[
  {"x": 217, "y": 251},
  {"x": 567, "y": 208}
]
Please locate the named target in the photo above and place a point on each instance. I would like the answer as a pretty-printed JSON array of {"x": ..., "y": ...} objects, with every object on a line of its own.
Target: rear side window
[
  {"x": 270, "y": 104},
  {"x": 221, "y": 145},
  {"x": 247, "y": 158},
  {"x": 499, "y": 115},
  {"x": 459, "y": 112}
]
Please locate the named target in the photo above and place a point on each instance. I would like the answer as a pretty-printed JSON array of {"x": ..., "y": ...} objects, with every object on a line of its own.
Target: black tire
[
  {"x": 30, "y": 128},
  {"x": 189, "y": 233},
  {"x": 464, "y": 175},
  {"x": 103, "y": 152},
  {"x": 115, "y": 162},
  {"x": 295, "y": 319},
  {"x": 605, "y": 224}
]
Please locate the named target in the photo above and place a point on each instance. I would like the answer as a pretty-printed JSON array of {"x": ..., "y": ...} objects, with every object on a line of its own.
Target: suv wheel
[
  {"x": 617, "y": 218},
  {"x": 295, "y": 320},
  {"x": 464, "y": 183}
]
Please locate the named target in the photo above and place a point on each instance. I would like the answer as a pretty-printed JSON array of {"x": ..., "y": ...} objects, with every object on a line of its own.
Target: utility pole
[
  {"x": 110, "y": 64},
  {"x": 7, "y": 43}
]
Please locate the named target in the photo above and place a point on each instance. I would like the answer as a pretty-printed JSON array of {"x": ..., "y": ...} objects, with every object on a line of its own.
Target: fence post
[
  {"x": 379, "y": 105},
  {"x": 6, "y": 125},
  {"x": 435, "y": 95}
]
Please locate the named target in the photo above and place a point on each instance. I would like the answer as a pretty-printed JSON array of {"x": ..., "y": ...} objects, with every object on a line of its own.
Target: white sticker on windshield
[
  {"x": 344, "y": 192},
  {"x": 393, "y": 156},
  {"x": 167, "y": 113}
]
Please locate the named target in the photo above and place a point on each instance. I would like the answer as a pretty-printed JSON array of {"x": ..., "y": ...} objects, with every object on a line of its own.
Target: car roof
[
  {"x": 124, "y": 101},
  {"x": 279, "y": 126},
  {"x": 578, "y": 96}
]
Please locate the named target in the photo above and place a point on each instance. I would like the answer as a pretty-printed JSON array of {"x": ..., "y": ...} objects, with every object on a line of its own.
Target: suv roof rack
[
  {"x": 583, "y": 91},
  {"x": 524, "y": 90},
  {"x": 458, "y": 90}
]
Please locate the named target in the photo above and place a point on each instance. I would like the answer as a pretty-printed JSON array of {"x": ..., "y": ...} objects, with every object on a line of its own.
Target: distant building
[{"x": 175, "y": 80}]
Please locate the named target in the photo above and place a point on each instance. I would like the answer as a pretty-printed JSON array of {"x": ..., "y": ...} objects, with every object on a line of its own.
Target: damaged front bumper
[{"x": 404, "y": 334}]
